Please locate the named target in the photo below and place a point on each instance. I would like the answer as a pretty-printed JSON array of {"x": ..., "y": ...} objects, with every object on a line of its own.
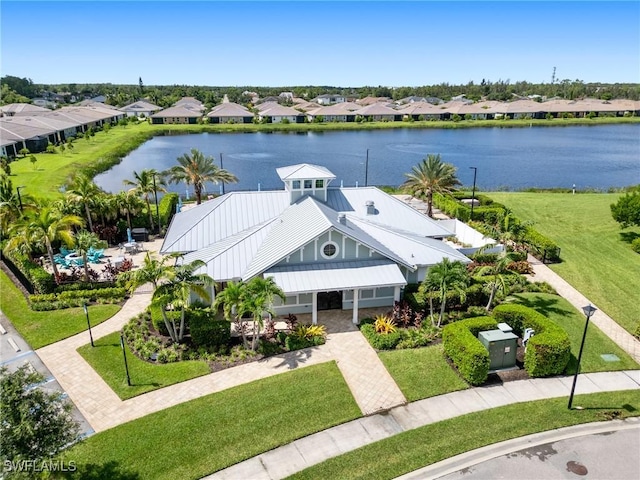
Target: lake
[{"x": 599, "y": 157}]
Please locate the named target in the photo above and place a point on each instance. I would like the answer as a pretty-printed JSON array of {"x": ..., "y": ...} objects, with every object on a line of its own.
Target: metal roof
[
  {"x": 304, "y": 171},
  {"x": 228, "y": 259},
  {"x": 299, "y": 225},
  {"x": 414, "y": 249},
  {"x": 322, "y": 277},
  {"x": 222, "y": 217},
  {"x": 389, "y": 211}
]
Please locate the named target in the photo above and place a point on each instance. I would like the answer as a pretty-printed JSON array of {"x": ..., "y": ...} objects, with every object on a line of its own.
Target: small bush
[
  {"x": 206, "y": 330},
  {"x": 635, "y": 245},
  {"x": 378, "y": 341},
  {"x": 549, "y": 350},
  {"x": 637, "y": 332},
  {"x": 157, "y": 319},
  {"x": 462, "y": 346}
]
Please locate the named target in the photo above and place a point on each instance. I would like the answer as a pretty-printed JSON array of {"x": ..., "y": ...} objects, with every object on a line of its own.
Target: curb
[{"x": 483, "y": 454}]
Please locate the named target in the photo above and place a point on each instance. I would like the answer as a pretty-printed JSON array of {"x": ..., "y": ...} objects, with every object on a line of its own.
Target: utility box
[
  {"x": 502, "y": 348},
  {"x": 140, "y": 234}
]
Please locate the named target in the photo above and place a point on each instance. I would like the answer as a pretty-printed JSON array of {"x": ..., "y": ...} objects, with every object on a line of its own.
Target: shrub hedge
[
  {"x": 207, "y": 330},
  {"x": 549, "y": 350},
  {"x": 379, "y": 341},
  {"x": 157, "y": 320},
  {"x": 167, "y": 208},
  {"x": 540, "y": 246},
  {"x": 461, "y": 345},
  {"x": 41, "y": 281}
]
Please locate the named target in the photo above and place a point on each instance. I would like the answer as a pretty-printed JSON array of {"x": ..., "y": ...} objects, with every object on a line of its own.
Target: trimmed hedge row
[
  {"x": 90, "y": 295},
  {"x": 549, "y": 350},
  {"x": 41, "y": 281},
  {"x": 167, "y": 208},
  {"x": 452, "y": 207},
  {"x": 206, "y": 329},
  {"x": 379, "y": 341},
  {"x": 461, "y": 345},
  {"x": 541, "y": 246}
]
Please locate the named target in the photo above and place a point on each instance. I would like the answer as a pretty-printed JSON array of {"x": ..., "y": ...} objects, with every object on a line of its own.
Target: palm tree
[
  {"x": 45, "y": 226},
  {"x": 84, "y": 191},
  {"x": 232, "y": 301},
  {"x": 508, "y": 229},
  {"x": 429, "y": 177},
  {"x": 153, "y": 270},
  {"x": 196, "y": 170},
  {"x": 258, "y": 300},
  {"x": 143, "y": 186},
  {"x": 442, "y": 278},
  {"x": 499, "y": 272},
  {"x": 129, "y": 204},
  {"x": 84, "y": 242},
  {"x": 9, "y": 204},
  {"x": 177, "y": 292}
]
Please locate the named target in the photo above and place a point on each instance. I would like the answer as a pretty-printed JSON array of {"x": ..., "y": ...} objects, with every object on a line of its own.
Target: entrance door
[{"x": 330, "y": 300}]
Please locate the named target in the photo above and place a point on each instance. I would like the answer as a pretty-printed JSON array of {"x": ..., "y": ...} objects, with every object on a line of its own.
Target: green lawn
[
  {"x": 106, "y": 359},
  {"x": 597, "y": 343},
  {"x": 424, "y": 446},
  {"x": 42, "y": 328},
  {"x": 597, "y": 257},
  {"x": 422, "y": 372},
  {"x": 196, "y": 438}
]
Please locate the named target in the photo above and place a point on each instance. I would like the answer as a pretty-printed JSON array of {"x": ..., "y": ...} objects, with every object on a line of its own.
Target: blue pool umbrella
[
  {"x": 129, "y": 237},
  {"x": 179, "y": 205}
]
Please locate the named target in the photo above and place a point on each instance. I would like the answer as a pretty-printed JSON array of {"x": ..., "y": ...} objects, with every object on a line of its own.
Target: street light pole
[
  {"x": 366, "y": 170},
  {"x": 155, "y": 194},
  {"x": 473, "y": 193},
  {"x": 589, "y": 310},
  {"x": 124, "y": 353},
  {"x": 19, "y": 197},
  {"x": 221, "y": 167},
  {"x": 86, "y": 312}
]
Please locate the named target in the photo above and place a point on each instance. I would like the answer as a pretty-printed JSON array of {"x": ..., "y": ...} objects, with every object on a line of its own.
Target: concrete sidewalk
[{"x": 305, "y": 452}]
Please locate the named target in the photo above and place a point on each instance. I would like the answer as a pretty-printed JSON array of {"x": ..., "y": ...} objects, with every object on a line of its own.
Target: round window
[{"x": 329, "y": 250}]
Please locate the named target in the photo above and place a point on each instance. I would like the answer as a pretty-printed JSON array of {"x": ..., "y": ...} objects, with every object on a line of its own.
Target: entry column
[
  {"x": 356, "y": 293},
  {"x": 314, "y": 308}
]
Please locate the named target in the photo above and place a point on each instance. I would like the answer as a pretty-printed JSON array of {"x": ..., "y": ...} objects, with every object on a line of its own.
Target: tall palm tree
[
  {"x": 260, "y": 293},
  {"x": 143, "y": 186},
  {"x": 177, "y": 292},
  {"x": 442, "y": 278},
  {"x": 44, "y": 226},
  {"x": 196, "y": 169},
  {"x": 9, "y": 204},
  {"x": 508, "y": 229},
  {"x": 84, "y": 191},
  {"x": 232, "y": 301},
  {"x": 84, "y": 242},
  {"x": 429, "y": 177},
  {"x": 499, "y": 272},
  {"x": 129, "y": 204}
]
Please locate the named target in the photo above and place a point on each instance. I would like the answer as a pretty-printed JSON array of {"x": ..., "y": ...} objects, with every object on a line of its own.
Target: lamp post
[
  {"x": 366, "y": 170},
  {"x": 222, "y": 182},
  {"x": 589, "y": 310},
  {"x": 473, "y": 193},
  {"x": 155, "y": 194},
  {"x": 19, "y": 197},
  {"x": 86, "y": 312},
  {"x": 124, "y": 354}
]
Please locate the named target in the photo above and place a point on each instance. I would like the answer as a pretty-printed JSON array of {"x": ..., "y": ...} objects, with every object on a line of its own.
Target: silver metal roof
[
  {"x": 217, "y": 219},
  {"x": 322, "y": 277},
  {"x": 414, "y": 249},
  {"x": 389, "y": 211},
  {"x": 304, "y": 171}
]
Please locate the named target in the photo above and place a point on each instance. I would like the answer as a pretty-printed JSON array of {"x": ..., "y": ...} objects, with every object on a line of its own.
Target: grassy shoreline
[{"x": 107, "y": 149}]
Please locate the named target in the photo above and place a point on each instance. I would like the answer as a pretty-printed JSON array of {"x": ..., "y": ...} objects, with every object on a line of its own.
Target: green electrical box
[{"x": 502, "y": 348}]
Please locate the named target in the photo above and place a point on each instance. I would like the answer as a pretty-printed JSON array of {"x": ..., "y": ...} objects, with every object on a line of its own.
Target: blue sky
[{"x": 319, "y": 43}]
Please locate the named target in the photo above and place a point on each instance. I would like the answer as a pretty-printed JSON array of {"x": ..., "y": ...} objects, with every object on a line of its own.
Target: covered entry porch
[{"x": 340, "y": 285}]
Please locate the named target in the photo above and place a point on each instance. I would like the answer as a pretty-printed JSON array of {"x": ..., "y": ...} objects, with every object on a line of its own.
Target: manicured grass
[
  {"x": 424, "y": 446},
  {"x": 597, "y": 257},
  {"x": 597, "y": 343},
  {"x": 42, "y": 328},
  {"x": 422, "y": 372},
  {"x": 106, "y": 359},
  {"x": 196, "y": 438}
]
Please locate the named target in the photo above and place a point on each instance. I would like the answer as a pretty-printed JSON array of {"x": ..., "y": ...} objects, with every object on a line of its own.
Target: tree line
[{"x": 165, "y": 95}]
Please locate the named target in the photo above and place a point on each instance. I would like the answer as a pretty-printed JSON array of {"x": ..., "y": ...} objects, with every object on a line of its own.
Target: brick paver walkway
[{"x": 615, "y": 332}]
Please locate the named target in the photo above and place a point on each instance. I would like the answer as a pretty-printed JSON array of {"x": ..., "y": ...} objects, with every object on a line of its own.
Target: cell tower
[{"x": 553, "y": 76}]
